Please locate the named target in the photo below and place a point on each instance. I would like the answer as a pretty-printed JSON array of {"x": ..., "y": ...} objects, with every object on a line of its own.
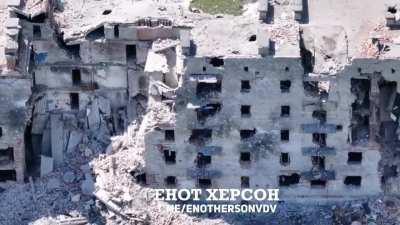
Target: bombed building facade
[{"x": 236, "y": 102}]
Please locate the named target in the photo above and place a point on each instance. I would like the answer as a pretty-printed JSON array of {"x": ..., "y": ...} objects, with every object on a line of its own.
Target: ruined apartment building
[{"x": 250, "y": 101}]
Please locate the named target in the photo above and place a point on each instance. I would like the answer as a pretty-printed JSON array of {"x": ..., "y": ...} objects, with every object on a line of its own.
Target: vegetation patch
[{"x": 233, "y": 7}]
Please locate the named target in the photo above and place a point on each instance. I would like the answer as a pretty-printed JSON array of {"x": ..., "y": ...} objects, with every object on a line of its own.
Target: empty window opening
[
  {"x": 354, "y": 157},
  {"x": 6, "y": 156},
  {"x": 244, "y": 134},
  {"x": 37, "y": 32},
  {"x": 203, "y": 160},
  {"x": 200, "y": 136},
  {"x": 245, "y": 182},
  {"x": 1, "y": 131},
  {"x": 170, "y": 181},
  {"x": 318, "y": 183},
  {"x": 319, "y": 139},
  {"x": 393, "y": 70},
  {"x": 245, "y": 157},
  {"x": 318, "y": 162},
  {"x": 246, "y": 69},
  {"x": 285, "y": 86},
  {"x": 287, "y": 69},
  {"x": 207, "y": 111},
  {"x": 107, "y": 11},
  {"x": 353, "y": 180},
  {"x": 319, "y": 115},
  {"x": 204, "y": 183},
  {"x": 74, "y": 101},
  {"x": 339, "y": 127},
  {"x": 169, "y": 135},
  {"x": 285, "y": 111},
  {"x": 204, "y": 69},
  {"x": 74, "y": 50},
  {"x": 130, "y": 53},
  {"x": 245, "y": 86},
  {"x": 76, "y": 77},
  {"x": 285, "y": 135},
  {"x": 116, "y": 31},
  {"x": 285, "y": 159},
  {"x": 170, "y": 157},
  {"x": 204, "y": 89},
  {"x": 289, "y": 180},
  {"x": 216, "y": 62},
  {"x": 245, "y": 111},
  {"x": 253, "y": 38},
  {"x": 8, "y": 175}
]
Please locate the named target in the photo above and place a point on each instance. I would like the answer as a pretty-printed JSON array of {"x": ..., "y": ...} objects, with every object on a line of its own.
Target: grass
[{"x": 233, "y": 7}]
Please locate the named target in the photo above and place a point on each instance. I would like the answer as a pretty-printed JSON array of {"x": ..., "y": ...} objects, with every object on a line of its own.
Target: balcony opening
[
  {"x": 285, "y": 111},
  {"x": 76, "y": 77},
  {"x": 206, "y": 111},
  {"x": 284, "y": 135},
  {"x": 319, "y": 139},
  {"x": 353, "y": 181},
  {"x": 200, "y": 136},
  {"x": 285, "y": 159},
  {"x": 169, "y": 157},
  {"x": 318, "y": 162},
  {"x": 244, "y": 182},
  {"x": 319, "y": 115},
  {"x": 318, "y": 183},
  {"x": 74, "y": 101},
  {"x": 245, "y": 111},
  {"x": 116, "y": 31},
  {"x": 285, "y": 86},
  {"x": 8, "y": 175},
  {"x": 169, "y": 135},
  {"x": 204, "y": 89},
  {"x": 216, "y": 62},
  {"x": 245, "y": 134},
  {"x": 285, "y": 181},
  {"x": 37, "y": 32},
  {"x": 245, "y": 86},
  {"x": 170, "y": 181},
  {"x": 354, "y": 158},
  {"x": 204, "y": 183},
  {"x": 130, "y": 53},
  {"x": 245, "y": 157},
  {"x": 203, "y": 160}
]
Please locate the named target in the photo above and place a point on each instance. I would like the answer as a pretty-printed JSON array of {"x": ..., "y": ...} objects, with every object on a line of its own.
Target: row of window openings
[
  {"x": 245, "y": 111},
  {"x": 203, "y": 160},
  {"x": 219, "y": 62},
  {"x": 205, "y": 88},
  {"x": 169, "y": 135},
  {"x": 286, "y": 181},
  {"x": 283, "y": 181},
  {"x": 284, "y": 86},
  {"x": 317, "y": 138}
]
